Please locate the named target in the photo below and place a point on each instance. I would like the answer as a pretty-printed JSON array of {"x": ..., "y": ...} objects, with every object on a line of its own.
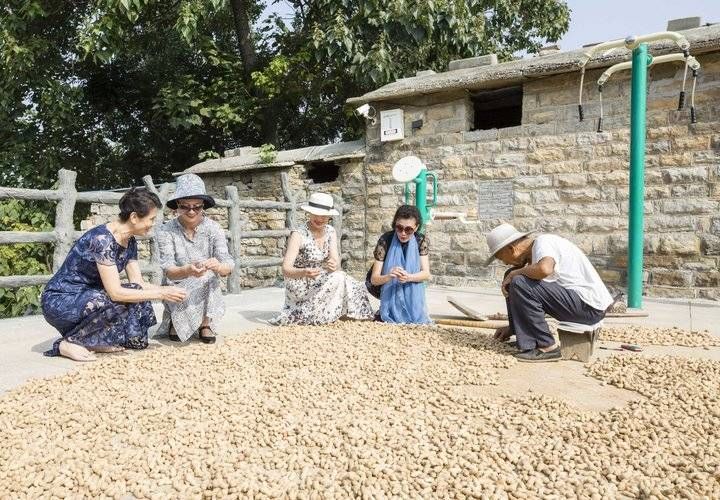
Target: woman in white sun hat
[{"x": 316, "y": 290}]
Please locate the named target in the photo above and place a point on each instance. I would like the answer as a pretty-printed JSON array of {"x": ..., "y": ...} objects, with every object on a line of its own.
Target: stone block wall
[
  {"x": 556, "y": 174},
  {"x": 264, "y": 184}
]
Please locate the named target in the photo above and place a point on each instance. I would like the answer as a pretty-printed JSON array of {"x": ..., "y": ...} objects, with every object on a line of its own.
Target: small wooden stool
[{"x": 577, "y": 341}]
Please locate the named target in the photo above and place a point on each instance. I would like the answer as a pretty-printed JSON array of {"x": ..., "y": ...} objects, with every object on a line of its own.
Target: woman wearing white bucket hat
[
  {"x": 193, "y": 255},
  {"x": 550, "y": 275},
  {"x": 316, "y": 291}
]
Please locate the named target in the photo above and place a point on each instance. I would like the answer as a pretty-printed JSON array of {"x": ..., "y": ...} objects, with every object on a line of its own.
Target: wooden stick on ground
[
  {"x": 466, "y": 310},
  {"x": 473, "y": 323}
]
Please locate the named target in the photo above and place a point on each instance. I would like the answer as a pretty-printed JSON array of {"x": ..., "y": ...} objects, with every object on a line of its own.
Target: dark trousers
[{"x": 529, "y": 300}]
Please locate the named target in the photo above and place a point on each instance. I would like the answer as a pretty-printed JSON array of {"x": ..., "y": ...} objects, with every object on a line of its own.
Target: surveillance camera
[{"x": 367, "y": 111}]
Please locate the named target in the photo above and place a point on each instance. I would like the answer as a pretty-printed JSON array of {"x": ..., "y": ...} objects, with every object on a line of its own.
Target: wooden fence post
[
  {"x": 64, "y": 226},
  {"x": 234, "y": 230},
  {"x": 157, "y": 274},
  {"x": 290, "y": 216}
]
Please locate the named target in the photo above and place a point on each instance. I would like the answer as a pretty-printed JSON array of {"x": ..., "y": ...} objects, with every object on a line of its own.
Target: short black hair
[
  {"x": 138, "y": 200},
  {"x": 407, "y": 212}
]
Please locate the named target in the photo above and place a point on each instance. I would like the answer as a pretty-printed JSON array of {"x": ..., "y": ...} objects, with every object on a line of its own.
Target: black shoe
[
  {"x": 203, "y": 339},
  {"x": 172, "y": 335},
  {"x": 538, "y": 356}
]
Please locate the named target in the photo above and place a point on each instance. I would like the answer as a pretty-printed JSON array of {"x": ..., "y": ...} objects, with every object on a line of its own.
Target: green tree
[{"x": 116, "y": 89}]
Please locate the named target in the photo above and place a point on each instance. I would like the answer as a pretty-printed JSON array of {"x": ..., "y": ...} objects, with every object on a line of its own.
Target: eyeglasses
[
  {"x": 190, "y": 208},
  {"x": 404, "y": 229}
]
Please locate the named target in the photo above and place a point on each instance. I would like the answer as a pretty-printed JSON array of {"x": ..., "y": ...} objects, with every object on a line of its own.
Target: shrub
[{"x": 24, "y": 258}]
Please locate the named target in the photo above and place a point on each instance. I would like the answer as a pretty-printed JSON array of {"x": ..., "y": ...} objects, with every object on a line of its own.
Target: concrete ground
[{"x": 23, "y": 340}]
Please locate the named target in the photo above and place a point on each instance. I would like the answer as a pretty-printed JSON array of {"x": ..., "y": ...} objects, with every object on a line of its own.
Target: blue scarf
[{"x": 403, "y": 302}]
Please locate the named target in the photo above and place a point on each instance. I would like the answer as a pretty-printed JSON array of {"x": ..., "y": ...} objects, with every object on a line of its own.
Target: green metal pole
[
  {"x": 421, "y": 195},
  {"x": 638, "y": 101}
]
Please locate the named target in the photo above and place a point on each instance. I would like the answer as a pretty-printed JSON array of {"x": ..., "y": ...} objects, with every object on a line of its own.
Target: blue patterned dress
[{"x": 76, "y": 304}]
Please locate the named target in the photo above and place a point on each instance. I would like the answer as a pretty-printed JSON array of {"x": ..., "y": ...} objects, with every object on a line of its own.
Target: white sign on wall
[{"x": 392, "y": 126}]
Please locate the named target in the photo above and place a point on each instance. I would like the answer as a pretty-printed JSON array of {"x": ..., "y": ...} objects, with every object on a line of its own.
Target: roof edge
[{"x": 702, "y": 40}]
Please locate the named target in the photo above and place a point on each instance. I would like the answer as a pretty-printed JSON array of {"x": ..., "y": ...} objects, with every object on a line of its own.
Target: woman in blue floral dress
[{"x": 85, "y": 300}]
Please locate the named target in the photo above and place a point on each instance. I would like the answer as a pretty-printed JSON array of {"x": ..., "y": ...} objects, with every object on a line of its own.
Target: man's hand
[
  {"x": 503, "y": 334},
  {"x": 506, "y": 282}
]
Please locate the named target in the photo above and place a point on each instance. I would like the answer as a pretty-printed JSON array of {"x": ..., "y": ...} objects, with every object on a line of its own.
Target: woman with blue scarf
[{"x": 401, "y": 266}]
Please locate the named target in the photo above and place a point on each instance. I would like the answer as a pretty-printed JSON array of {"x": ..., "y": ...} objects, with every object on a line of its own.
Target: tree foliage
[
  {"x": 26, "y": 258},
  {"x": 116, "y": 89}
]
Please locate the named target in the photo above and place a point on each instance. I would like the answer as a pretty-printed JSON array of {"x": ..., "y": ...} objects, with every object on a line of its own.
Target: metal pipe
[
  {"x": 638, "y": 105},
  {"x": 693, "y": 117},
  {"x": 691, "y": 62},
  {"x": 633, "y": 42},
  {"x": 600, "y": 120},
  {"x": 630, "y": 43}
]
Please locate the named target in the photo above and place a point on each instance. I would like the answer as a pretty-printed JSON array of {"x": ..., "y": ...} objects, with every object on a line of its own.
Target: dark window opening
[
  {"x": 499, "y": 108},
  {"x": 323, "y": 172}
]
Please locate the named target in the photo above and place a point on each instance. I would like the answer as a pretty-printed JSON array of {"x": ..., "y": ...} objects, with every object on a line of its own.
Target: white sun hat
[
  {"x": 320, "y": 204},
  {"x": 500, "y": 237}
]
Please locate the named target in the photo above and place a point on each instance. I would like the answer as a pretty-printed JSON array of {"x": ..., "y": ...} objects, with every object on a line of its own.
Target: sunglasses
[
  {"x": 404, "y": 229},
  {"x": 190, "y": 208}
]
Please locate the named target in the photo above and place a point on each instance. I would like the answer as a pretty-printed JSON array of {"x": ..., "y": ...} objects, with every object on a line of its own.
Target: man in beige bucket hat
[{"x": 550, "y": 275}]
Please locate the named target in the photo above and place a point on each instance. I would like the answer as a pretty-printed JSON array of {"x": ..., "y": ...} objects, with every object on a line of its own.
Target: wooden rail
[{"x": 64, "y": 234}]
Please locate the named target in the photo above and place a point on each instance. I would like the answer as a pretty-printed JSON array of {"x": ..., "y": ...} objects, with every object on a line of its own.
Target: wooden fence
[{"x": 64, "y": 234}]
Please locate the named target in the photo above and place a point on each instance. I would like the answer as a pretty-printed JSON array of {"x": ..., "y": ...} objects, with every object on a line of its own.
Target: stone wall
[
  {"x": 556, "y": 174},
  {"x": 264, "y": 184}
]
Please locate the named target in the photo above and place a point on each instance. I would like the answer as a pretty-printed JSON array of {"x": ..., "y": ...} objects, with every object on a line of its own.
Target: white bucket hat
[
  {"x": 500, "y": 237},
  {"x": 190, "y": 186},
  {"x": 320, "y": 204}
]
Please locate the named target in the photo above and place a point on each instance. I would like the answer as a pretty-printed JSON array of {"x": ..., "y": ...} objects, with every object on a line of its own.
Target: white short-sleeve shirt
[{"x": 573, "y": 270}]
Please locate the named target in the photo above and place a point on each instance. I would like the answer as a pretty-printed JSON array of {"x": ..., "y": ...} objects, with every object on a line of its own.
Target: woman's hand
[
  {"x": 195, "y": 269},
  {"x": 172, "y": 293},
  {"x": 330, "y": 265},
  {"x": 401, "y": 274},
  {"x": 212, "y": 264},
  {"x": 311, "y": 272},
  {"x": 405, "y": 277}
]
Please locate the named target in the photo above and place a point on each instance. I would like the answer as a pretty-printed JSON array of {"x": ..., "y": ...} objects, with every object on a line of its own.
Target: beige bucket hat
[{"x": 500, "y": 237}]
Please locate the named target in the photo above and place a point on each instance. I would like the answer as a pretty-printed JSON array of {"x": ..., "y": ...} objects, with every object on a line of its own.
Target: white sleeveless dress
[{"x": 327, "y": 298}]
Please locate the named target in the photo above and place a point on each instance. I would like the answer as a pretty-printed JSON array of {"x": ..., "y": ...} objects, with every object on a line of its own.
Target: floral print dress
[
  {"x": 327, "y": 298},
  {"x": 76, "y": 304}
]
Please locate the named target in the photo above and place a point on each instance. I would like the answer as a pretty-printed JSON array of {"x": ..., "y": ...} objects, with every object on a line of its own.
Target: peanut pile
[
  {"x": 353, "y": 410},
  {"x": 637, "y": 334}
]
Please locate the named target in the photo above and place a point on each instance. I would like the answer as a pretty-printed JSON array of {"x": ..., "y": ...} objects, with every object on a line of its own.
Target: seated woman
[
  {"x": 85, "y": 300},
  {"x": 193, "y": 255},
  {"x": 401, "y": 266},
  {"x": 316, "y": 292}
]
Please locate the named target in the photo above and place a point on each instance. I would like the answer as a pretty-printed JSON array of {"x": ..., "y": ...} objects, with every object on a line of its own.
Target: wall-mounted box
[{"x": 392, "y": 126}]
